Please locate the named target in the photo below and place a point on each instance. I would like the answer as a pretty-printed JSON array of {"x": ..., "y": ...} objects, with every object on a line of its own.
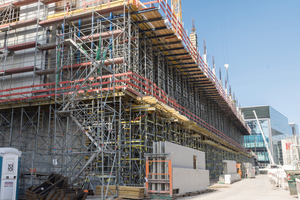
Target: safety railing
[
  {"x": 124, "y": 80},
  {"x": 150, "y": 88},
  {"x": 176, "y": 25}
]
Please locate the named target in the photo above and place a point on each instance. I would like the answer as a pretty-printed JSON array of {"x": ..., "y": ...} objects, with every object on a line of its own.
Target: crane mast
[
  {"x": 266, "y": 143},
  {"x": 176, "y": 8},
  {"x": 177, "y": 11}
]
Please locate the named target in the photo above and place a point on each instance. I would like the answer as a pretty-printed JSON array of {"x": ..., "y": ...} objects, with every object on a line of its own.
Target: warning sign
[{"x": 8, "y": 184}]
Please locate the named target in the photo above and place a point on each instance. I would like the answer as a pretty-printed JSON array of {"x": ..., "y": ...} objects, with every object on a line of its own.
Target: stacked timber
[
  {"x": 131, "y": 192},
  {"x": 111, "y": 190}
]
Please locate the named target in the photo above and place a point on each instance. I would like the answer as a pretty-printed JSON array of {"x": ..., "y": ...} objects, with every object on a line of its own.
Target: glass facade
[
  {"x": 255, "y": 141},
  {"x": 280, "y": 131},
  {"x": 275, "y": 128},
  {"x": 294, "y": 130},
  {"x": 291, "y": 129}
]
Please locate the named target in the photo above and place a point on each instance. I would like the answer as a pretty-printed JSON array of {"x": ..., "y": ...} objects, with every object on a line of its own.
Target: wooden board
[
  {"x": 131, "y": 192},
  {"x": 112, "y": 188}
]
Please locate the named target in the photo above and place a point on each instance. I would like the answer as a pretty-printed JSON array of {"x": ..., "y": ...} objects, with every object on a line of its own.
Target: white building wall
[
  {"x": 185, "y": 177},
  {"x": 27, "y": 57},
  {"x": 183, "y": 156},
  {"x": 188, "y": 180},
  {"x": 286, "y": 149},
  {"x": 229, "y": 167}
]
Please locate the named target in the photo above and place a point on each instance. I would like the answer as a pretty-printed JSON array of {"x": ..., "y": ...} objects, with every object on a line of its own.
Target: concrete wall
[
  {"x": 229, "y": 166},
  {"x": 230, "y": 174},
  {"x": 183, "y": 156},
  {"x": 188, "y": 180},
  {"x": 27, "y": 57},
  {"x": 185, "y": 177}
]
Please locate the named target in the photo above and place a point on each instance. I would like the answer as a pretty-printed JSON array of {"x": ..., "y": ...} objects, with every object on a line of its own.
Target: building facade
[
  {"x": 294, "y": 130},
  {"x": 275, "y": 128},
  {"x": 86, "y": 90}
]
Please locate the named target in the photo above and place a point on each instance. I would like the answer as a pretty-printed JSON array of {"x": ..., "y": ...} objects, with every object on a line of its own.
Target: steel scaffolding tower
[{"x": 88, "y": 86}]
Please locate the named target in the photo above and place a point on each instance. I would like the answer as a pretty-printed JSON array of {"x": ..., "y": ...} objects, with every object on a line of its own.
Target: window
[
  {"x": 175, "y": 191},
  {"x": 195, "y": 162}
]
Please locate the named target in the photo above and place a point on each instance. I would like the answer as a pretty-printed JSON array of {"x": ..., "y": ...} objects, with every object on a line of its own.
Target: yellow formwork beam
[
  {"x": 184, "y": 120},
  {"x": 217, "y": 146},
  {"x": 97, "y": 7}
]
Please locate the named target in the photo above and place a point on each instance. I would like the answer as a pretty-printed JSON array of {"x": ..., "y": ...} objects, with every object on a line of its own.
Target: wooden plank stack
[
  {"x": 131, "y": 192},
  {"x": 111, "y": 192}
]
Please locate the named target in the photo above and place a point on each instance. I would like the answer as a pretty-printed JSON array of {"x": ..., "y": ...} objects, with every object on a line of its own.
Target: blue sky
[{"x": 260, "y": 40}]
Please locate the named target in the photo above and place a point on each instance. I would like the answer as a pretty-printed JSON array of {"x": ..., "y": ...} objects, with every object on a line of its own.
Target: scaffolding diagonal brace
[
  {"x": 85, "y": 53},
  {"x": 86, "y": 133},
  {"x": 97, "y": 66},
  {"x": 86, "y": 164}
]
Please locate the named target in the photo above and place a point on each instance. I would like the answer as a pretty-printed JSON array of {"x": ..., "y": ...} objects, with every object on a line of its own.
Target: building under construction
[{"x": 88, "y": 86}]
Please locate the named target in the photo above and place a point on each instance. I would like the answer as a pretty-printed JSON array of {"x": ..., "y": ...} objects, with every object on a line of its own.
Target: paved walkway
[{"x": 258, "y": 188}]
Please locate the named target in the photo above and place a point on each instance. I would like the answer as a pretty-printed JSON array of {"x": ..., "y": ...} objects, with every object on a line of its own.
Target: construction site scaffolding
[{"x": 88, "y": 86}]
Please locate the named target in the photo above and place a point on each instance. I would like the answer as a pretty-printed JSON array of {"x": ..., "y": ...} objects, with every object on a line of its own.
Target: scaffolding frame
[{"x": 100, "y": 90}]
